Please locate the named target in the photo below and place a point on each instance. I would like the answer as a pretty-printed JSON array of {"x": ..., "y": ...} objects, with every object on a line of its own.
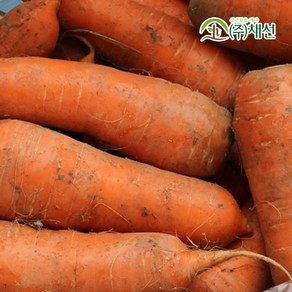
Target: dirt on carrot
[
  {"x": 240, "y": 274},
  {"x": 159, "y": 45},
  {"x": 64, "y": 183},
  {"x": 67, "y": 260},
  {"x": 262, "y": 124},
  {"x": 30, "y": 29},
  {"x": 147, "y": 119}
]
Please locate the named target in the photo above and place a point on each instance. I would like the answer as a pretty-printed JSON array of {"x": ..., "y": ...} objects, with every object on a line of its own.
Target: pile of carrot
[{"x": 136, "y": 157}]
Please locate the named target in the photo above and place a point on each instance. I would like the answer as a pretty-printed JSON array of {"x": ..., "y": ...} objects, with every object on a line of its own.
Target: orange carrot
[
  {"x": 262, "y": 123},
  {"x": 148, "y": 119},
  {"x": 159, "y": 45},
  {"x": 175, "y": 8},
  {"x": 240, "y": 274},
  {"x": 30, "y": 29},
  {"x": 87, "y": 189},
  {"x": 274, "y": 11},
  {"x": 74, "y": 48},
  {"x": 66, "y": 260}
]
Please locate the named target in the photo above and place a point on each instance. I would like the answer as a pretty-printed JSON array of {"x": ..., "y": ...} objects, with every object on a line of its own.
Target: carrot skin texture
[
  {"x": 87, "y": 189},
  {"x": 69, "y": 260},
  {"x": 160, "y": 45},
  {"x": 175, "y": 8},
  {"x": 239, "y": 273},
  {"x": 262, "y": 124},
  {"x": 148, "y": 119},
  {"x": 274, "y": 11},
  {"x": 30, "y": 29}
]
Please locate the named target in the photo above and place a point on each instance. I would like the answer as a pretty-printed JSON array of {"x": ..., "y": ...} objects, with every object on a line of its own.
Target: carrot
[
  {"x": 30, "y": 29},
  {"x": 159, "y": 45},
  {"x": 148, "y": 119},
  {"x": 262, "y": 123},
  {"x": 67, "y": 260},
  {"x": 274, "y": 11},
  {"x": 240, "y": 274},
  {"x": 87, "y": 189},
  {"x": 74, "y": 48},
  {"x": 175, "y": 8}
]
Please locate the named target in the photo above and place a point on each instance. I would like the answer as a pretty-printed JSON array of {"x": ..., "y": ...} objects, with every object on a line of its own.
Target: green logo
[
  {"x": 217, "y": 30},
  {"x": 215, "y": 27}
]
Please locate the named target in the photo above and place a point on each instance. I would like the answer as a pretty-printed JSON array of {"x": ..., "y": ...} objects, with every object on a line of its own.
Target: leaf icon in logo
[
  {"x": 213, "y": 20},
  {"x": 209, "y": 29}
]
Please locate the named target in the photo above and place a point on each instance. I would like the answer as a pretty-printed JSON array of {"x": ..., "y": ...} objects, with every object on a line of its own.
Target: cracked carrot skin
[
  {"x": 262, "y": 124},
  {"x": 240, "y": 274},
  {"x": 64, "y": 183},
  {"x": 147, "y": 119},
  {"x": 274, "y": 11},
  {"x": 67, "y": 260},
  {"x": 159, "y": 45},
  {"x": 30, "y": 29}
]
